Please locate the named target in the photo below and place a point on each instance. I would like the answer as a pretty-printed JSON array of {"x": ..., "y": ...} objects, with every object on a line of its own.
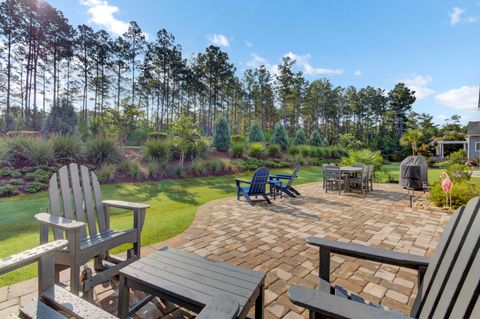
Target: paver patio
[{"x": 270, "y": 238}]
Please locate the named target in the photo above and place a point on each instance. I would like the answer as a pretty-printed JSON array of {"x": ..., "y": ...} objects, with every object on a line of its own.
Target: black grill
[{"x": 411, "y": 177}]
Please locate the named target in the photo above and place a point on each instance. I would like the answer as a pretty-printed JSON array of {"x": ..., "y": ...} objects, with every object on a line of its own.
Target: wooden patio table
[
  {"x": 347, "y": 171},
  {"x": 190, "y": 281}
]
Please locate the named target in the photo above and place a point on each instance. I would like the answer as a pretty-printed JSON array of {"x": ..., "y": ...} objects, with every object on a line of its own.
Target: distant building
[{"x": 473, "y": 139}]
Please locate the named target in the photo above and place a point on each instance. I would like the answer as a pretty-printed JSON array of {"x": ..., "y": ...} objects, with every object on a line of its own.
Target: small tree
[
  {"x": 280, "y": 137},
  {"x": 300, "y": 137},
  {"x": 315, "y": 139},
  {"x": 255, "y": 135},
  {"x": 61, "y": 120},
  {"x": 221, "y": 136},
  {"x": 411, "y": 138}
]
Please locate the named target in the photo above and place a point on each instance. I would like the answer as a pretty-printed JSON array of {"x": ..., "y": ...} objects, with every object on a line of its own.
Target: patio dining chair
[
  {"x": 360, "y": 180},
  {"x": 448, "y": 282},
  {"x": 323, "y": 170},
  {"x": 256, "y": 187},
  {"x": 371, "y": 170},
  {"x": 334, "y": 179},
  {"x": 286, "y": 188}
]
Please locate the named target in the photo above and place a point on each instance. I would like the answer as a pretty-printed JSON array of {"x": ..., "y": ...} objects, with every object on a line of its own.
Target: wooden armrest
[
  {"x": 370, "y": 253},
  {"x": 125, "y": 205},
  {"x": 337, "y": 307},
  {"x": 221, "y": 307},
  {"x": 238, "y": 180},
  {"x": 29, "y": 256},
  {"x": 59, "y": 222}
]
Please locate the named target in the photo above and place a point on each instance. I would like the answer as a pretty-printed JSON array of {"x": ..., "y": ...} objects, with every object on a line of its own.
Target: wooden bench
[{"x": 449, "y": 281}]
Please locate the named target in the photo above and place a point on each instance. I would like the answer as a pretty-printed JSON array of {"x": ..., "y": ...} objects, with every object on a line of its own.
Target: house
[{"x": 473, "y": 139}]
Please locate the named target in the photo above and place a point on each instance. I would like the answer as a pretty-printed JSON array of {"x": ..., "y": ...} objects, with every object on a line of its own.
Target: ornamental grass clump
[{"x": 103, "y": 150}]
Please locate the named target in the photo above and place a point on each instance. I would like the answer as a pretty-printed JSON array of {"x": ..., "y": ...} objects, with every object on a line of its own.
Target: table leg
[
  {"x": 260, "y": 303},
  {"x": 123, "y": 298}
]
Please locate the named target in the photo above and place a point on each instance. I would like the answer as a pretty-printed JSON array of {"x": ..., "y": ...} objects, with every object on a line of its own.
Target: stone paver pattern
[{"x": 271, "y": 238}]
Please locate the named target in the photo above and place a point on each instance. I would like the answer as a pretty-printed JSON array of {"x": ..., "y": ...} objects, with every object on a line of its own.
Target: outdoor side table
[{"x": 190, "y": 281}]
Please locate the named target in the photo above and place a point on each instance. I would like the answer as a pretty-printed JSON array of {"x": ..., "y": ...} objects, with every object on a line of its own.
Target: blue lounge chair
[
  {"x": 287, "y": 188},
  {"x": 256, "y": 187}
]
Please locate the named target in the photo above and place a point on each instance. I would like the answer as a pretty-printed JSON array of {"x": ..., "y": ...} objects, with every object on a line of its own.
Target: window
[{"x": 477, "y": 146}]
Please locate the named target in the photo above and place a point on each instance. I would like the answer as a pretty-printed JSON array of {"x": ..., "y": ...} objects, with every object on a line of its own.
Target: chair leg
[
  {"x": 294, "y": 190},
  {"x": 248, "y": 199},
  {"x": 75, "y": 279},
  {"x": 267, "y": 199}
]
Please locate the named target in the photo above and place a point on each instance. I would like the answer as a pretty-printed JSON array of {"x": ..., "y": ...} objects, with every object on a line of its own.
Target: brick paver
[{"x": 271, "y": 238}]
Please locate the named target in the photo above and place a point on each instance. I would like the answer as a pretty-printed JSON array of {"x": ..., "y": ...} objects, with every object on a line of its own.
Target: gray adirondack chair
[
  {"x": 449, "y": 281},
  {"x": 51, "y": 298},
  {"x": 76, "y": 204}
]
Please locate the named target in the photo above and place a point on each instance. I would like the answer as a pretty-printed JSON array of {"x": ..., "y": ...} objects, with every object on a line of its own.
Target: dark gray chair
[
  {"x": 449, "y": 281},
  {"x": 334, "y": 179},
  {"x": 256, "y": 187},
  {"x": 360, "y": 180}
]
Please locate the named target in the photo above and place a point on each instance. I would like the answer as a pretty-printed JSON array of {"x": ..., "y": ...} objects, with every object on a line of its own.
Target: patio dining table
[{"x": 349, "y": 171}]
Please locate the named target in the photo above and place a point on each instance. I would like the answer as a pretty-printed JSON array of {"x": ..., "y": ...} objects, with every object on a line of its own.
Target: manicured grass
[{"x": 173, "y": 202}]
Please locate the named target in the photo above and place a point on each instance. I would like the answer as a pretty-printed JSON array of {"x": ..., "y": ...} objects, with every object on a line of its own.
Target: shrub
[
  {"x": 199, "y": 167},
  {"x": 106, "y": 172},
  {"x": 16, "y": 182},
  {"x": 315, "y": 139},
  {"x": 256, "y": 150},
  {"x": 30, "y": 151},
  {"x": 300, "y": 137},
  {"x": 67, "y": 148},
  {"x": 179, "y": 170},
  {"x": 157, "y": 169},
  {"x": 459, "y": 172},
  {"x": 253, "y": 164},
  {"x": 157, "y": 136},
  {"x": 305, "y": 151},
  {"x": 349, "y": 141},
  {"x": 131, "y": 168},
  {"x": 255, "y": 134},
  {"x": 35, "y": 187},
  {"x": 157, "y": 150},
  {"x": 201, "y": 149},
  {"x": 7, "y": 171},
  {"x": 137, "y": 137},
  {"x": 293, "y": 150},
  {"x": 461, "y": 193},
  {"x": 62, "y": 119},
  {"x": 103, "y": 150},
  {"x": 8, "y": 190},
  {"x": 221, "y": 135},
  {"x": 238, "y": 149},
  {"x": 274, "y": 150},
  {"x": 458, "y": 157},
  {"x": 238, "y": 139},
  {"x": 39, "y": 175},
  {"x": 280, "y": 137},
  {"x": 215, "y": 165}
]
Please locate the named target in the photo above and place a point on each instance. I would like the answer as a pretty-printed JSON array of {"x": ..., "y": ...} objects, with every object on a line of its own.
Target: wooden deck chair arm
[
  {"x": 29, "y": 256},
  {"x": 331, "y": 306},
  {"x": 289, "y": 177},
  {"x": 139, "y": 211},
  {"x": 125, "y": 205},
  {"x": 238, "y": 181},
  {"x": 370, "y": 253},
  {"x": 58, "y": 222}
]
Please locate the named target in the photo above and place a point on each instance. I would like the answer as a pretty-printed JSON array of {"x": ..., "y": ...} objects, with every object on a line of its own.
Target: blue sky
[{"x": 432, "y": 46}]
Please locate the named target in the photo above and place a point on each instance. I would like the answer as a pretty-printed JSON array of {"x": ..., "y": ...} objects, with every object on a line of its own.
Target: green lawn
[{"x": 173, "y": 202}]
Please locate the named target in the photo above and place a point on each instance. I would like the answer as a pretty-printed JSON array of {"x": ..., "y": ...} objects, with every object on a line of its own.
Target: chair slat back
[
  {"x": 332, "y": 172},
  {"x": 453, "y": 262},
  {"x": 80, "y": 198},
  {"x": 259, "y": 181},
  {"x": 294, "y": 175}
]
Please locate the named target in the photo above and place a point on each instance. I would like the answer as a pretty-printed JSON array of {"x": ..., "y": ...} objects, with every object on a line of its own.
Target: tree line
[{"x": 45, "y": 61}]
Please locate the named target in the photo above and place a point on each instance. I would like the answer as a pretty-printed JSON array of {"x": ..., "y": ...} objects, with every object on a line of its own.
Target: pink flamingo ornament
[{"x": 447, "y": 187}]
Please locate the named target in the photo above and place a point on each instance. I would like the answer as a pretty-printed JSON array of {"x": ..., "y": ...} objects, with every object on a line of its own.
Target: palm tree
[{"x": 411, "y": 138}]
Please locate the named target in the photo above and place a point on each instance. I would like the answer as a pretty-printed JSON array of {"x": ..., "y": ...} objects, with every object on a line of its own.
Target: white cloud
[
  {"x": 102, "y": 14},
  {"x": 457, "y": 16},
  {"x": 308, "y": 69},
  {"x": 248, "y": 43},
  {"x": 419, "y": 84},
  {"x": 357, "y": 73},
  {"x": 464, "y": 98},
  {"x": 219, "y": 40},
  {"x": 256, "y": 61}
]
